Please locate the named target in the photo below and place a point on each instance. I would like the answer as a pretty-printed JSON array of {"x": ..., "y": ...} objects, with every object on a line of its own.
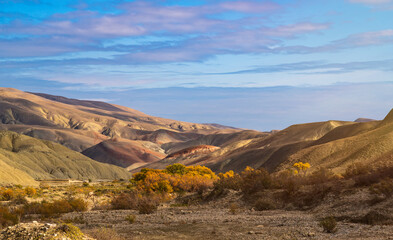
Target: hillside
[
  {"x": 125, "y": 153},
  {"x": 368, "y": 143},
  {"x": 255, "y": 149},
  {"x": 82, "y": 125},
  {"x": 131, "y": 139},
  {"x": 29, "y": 158}
]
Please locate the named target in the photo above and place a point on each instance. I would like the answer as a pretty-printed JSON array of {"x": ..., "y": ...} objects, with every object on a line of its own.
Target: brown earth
[{"x": 215, "y": 220}]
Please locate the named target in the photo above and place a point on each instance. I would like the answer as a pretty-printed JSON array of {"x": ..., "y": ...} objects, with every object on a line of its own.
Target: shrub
[
  {"x": 8, "y": 218},
  {"x": 233, "y": 208},
  {"x": 264, "y": 204},
  {"x": 374, "y": 176},
  {"x": 374, "y": 217},
  {"x": 176, "y": 168},
  {"x": 55, "y": 208},
  {"x": 228, "y": 180},
  {"x": 71, "y": 231},
  {"x": 131, "y": 218},
  {"x": 125, "y": 201},
  {"x": 147, "y": 205},
  {"x": 78, "y": 204},
  {"x": 321, "y": 175},
  {"x": 301, "y": 167},
  {"x": 385, "y": 188},
  {"x": 176, "y": 177},
  {"x": 356, "y": 169},
  {"x": 255, "y": 180},
  {"x": 312, "y": 195},
  {"x": 19, "y": 199},
  {"x": 30, "y": 191},
  {"x": 329, "y": 224},
  {"x": 7, "y": 194},
  {"x": 288, "y": 181}
]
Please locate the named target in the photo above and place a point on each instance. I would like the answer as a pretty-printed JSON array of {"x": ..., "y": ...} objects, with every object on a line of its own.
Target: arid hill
[
  {"x": 125, "y": 153},
  {"x": 331, "y": 144},
  {"x": 24, "y": 159},
  {"x": 255, "y": 149},
  {"x": 128, "y": 138},
  {"x": 90, "y": 126}
]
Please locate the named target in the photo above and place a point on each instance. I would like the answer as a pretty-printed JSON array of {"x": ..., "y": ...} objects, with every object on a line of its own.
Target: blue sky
[{"x": 253, "y": 64}]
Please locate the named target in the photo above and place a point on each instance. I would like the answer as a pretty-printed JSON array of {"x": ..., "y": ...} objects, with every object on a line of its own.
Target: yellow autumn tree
[
  {"x": 301, "y": 167},
  {"x": 176, "y": 177}
]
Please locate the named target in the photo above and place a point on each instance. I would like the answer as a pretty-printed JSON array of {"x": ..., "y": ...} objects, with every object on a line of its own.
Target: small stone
[{"x": 251, "y": 232}]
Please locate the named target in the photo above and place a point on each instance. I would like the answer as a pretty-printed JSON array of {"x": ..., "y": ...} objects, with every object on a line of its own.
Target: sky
[{"x": 251, "y": 64}]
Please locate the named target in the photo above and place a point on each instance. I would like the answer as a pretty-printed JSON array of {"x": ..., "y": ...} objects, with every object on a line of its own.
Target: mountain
[
  {"x": 130, "y": 139},
  {"x": 90, "y": 127},
  {"x": 251, "y": 148},
  {"x": 364, "y": 120},
  {"x": 332, "y": 144},
  {"x": 30, "y": 158}
]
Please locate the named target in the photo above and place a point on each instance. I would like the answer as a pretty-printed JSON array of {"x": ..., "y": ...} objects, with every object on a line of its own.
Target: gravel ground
[{"x": 203, "y": 222}]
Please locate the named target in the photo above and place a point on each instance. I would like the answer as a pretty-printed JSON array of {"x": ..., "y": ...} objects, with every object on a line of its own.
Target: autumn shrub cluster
[
  {"x": 16, "y": 192},
  {"x": 374, "y": 176},
  {"x": 9, "y": 216},
  {"x": 145, "y": 203},
  {"x": 175, "y": 178},
  {"x": 293, "y": 186},
  {"x": 55, "y": 208}
]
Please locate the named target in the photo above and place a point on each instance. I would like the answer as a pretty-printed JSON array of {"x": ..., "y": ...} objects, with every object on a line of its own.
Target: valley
[{"x": 112, "y": 173}]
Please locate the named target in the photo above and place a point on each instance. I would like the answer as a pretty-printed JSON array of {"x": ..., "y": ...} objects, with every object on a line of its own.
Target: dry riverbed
[{"x": 204, "y": 222}]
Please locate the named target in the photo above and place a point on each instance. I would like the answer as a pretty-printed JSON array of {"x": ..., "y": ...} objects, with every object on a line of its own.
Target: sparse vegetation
[
  {"x": 55, "y": 208},
  {"x": 329, "y": 224},
  {"x": 234, "y": 208},
  {"x": 264, "y": 204},
  {"x": 147, "y": 204},
  {"x": 384, "y": 187},
  {"x": 130, "y": 218},
  {"x": 256, "y": 188},
  {"x": 9, "y": 217}
]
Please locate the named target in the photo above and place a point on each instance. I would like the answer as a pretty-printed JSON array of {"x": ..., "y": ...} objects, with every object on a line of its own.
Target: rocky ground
[
  {"x": 208, "y": 223},
  {"x": 44, "y": 231},
  {"x": 227, "y": 217}
]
